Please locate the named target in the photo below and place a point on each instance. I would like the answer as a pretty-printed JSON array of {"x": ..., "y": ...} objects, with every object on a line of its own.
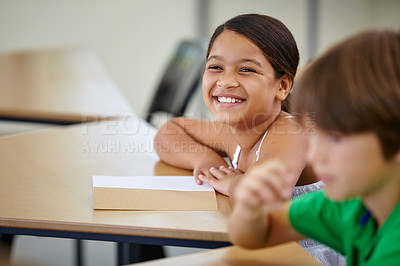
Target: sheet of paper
[{"x": 174, "y": 183}]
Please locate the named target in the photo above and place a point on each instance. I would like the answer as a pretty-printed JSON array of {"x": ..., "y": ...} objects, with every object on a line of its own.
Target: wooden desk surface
[
  {"x": 46, "y": 182},
  {"x": 62, "y": 85},
  {"x": 285, "y": 254}
]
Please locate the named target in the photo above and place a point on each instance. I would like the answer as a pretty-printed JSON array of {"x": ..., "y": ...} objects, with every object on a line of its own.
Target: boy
[{"x": 352, "y": 93}]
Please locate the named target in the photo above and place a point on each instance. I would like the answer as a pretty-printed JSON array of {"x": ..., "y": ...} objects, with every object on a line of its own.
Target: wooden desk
[
  {"x": 60, "y": 85},
  {"x": 46, "y": 187},
  {"x": 286, "y": 254}
]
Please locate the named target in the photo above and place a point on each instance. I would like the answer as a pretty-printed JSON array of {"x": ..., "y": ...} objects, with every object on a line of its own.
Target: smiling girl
[{"x": 251, "y": 63}]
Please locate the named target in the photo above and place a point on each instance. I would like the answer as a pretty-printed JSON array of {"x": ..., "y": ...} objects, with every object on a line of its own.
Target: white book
[{"x": 152, "y": 193}]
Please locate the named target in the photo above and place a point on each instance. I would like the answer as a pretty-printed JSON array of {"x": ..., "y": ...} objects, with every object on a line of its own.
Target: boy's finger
[
  {"x": 266, "y": 191},
  {"x": 273, "y": 175},
  {"x": 278, "y": 183}
]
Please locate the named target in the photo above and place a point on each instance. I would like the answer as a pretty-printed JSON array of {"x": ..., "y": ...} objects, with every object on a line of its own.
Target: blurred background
[{"x": 133, "y": 40}]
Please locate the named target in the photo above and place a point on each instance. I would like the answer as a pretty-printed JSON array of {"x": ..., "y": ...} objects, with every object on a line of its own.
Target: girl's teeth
[{"x": 228, "y": 100}]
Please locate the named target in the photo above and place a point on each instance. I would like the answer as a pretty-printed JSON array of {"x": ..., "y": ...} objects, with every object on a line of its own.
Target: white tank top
[{"x": 235, "y": 159}]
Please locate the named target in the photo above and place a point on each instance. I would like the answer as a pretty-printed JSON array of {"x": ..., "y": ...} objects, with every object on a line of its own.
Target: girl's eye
[
  {"x": 248, "y": 70},
  {"x": 215, "y": 67}
]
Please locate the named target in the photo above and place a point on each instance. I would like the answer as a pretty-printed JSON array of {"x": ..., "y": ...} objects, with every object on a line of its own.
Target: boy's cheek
[{"x": 311, "y": 149}]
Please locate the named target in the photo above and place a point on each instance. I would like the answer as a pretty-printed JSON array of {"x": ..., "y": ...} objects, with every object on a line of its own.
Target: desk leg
[
  {"x": 127, "y": 253},
  {"x": 78, "y": 252},
  {"x": 132, "y": 253},
  {"x": 5, "y": 249},
  {"x": 6, "y": 239}
]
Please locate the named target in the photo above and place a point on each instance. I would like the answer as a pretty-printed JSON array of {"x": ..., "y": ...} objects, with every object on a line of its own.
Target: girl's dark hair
[
  {"x": 270, "y": 35},
  {"x": 355, "y": 87}
]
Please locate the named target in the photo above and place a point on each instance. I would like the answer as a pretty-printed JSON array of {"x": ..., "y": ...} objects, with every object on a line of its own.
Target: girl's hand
[
  {"x": 202, "y": 168},
  {"x": 263, "y": 188},
  {"x": 222, "y": 178}
]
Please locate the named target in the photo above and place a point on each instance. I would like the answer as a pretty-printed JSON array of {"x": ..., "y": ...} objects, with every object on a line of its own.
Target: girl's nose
[{"x": 227, "y": 82}]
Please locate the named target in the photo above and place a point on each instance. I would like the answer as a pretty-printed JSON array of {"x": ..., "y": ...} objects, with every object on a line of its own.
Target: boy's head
[{"x": 355, "y": 87}]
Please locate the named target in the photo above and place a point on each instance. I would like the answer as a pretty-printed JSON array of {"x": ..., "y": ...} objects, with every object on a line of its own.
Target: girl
[
  {"x": 353, "y": 92},
  {"x": 251, "y": 63}
]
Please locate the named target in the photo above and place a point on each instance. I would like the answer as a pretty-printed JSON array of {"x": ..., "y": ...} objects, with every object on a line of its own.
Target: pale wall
[
  {"x": 133, "y": 38},
  {"x": 341, "y": 18},
  {"x": 337, "y": 18},
  {"x": 293, "y": 13}
]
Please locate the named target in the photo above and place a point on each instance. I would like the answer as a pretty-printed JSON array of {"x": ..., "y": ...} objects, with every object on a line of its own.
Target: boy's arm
[
  {"x": 260, "y": 229},
  {"x": 188, "y": 143},
  {"x": 261, "y": 212}
]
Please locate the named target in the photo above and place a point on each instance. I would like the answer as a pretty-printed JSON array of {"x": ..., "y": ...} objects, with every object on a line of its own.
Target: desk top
[
  {"x": 46, "y": 182},
  {"x": 59, "y": 85},
  {"x": 285, "y": 254}
]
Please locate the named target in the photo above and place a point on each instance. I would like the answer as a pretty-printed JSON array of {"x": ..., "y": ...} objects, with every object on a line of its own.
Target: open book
[{"x": 152, "y": 193}]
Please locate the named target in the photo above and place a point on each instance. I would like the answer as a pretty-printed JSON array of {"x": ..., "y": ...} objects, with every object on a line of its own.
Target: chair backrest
[{"x": 180, "y": 80}]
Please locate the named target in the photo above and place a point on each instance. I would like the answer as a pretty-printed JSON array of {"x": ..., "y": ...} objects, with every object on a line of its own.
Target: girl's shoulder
[
  {"x": 286, "y": 123},
  {"x": 286, "y": 115},
  {"x": 285, "y": 134}
]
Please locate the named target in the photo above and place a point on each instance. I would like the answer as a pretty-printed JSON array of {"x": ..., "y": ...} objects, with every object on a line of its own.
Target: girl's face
[
  {"x": 239, "y": 85},
  {"x": 349, "y": 165}
]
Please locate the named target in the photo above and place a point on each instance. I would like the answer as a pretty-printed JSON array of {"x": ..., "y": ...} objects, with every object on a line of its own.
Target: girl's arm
[
  {"x": 287, "y": 142},
  {"x": 260, "y": 215},
  {"x": 193, "y": 144}
]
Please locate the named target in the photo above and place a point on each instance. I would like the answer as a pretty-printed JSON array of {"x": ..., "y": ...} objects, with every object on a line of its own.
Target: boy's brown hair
[{"x": 355, "y": 87}]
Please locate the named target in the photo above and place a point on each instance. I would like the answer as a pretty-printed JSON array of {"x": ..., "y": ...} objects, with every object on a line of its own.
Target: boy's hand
[
  {"x": 264, "y": 187},
  {"x": 222, "y": 178}
]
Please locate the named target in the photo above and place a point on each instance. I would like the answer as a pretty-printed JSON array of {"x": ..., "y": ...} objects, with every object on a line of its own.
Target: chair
[{"x": 181, "y": 78}]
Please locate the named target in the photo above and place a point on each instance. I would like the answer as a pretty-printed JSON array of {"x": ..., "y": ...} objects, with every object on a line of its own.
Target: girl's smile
[
  {"x": 225, "y": 100},
  {"x": 239, "y": 84}
]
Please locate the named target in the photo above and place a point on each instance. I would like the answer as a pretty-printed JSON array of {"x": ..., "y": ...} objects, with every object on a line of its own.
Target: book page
[{"x": 174, "y": 183}]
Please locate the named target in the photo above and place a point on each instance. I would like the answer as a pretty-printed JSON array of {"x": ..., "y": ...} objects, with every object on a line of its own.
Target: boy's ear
[
  {"x": 284, "y": 88},
  {"x": 397, "y": 157}
]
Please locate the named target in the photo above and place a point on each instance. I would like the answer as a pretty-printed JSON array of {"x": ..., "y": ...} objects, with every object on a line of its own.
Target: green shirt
[{"x": 348, "y": 228}]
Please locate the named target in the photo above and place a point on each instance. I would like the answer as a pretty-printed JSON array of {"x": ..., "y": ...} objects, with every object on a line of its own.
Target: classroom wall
[
  {"x": 293, "y": 13},
  {"x": 337, "y": 19},
  {"x": 342, "y": 18},
  {"x": 133, "y": 38}
]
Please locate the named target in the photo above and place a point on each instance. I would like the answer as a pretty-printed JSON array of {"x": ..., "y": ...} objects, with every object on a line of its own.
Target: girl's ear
[{"x": 284, "y": 88}]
